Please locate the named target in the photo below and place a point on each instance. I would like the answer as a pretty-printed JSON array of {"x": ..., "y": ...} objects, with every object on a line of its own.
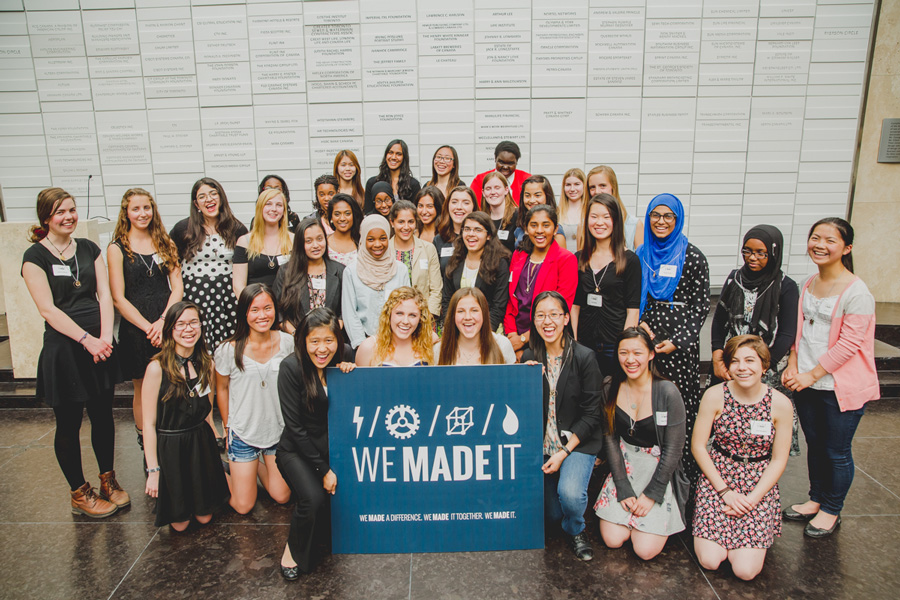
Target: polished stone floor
[{"x": 48, "y": 553}]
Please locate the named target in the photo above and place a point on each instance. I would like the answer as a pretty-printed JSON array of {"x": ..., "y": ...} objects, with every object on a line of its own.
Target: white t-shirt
[
  {"x": 506, "y": 349},
  {"x": 254, "y": 413}
]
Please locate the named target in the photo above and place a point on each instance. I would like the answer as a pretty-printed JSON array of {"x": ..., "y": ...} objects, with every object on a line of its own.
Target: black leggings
[{"x": 68, "y": 444}]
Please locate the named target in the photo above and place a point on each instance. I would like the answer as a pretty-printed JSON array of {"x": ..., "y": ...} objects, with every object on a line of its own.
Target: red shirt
[
  {"x": 515, "y": 188},
  {"x": 559, "y": 272}
]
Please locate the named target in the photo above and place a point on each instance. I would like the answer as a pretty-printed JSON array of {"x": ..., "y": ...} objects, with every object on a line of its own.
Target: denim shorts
[{"x": 240, "y": 451}]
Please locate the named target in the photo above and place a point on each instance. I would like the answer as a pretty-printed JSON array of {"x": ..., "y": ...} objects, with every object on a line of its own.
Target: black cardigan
[
  {"x": 334, "y": 276},
  {"x": 579, "y": 407},
  {"x": 665, "y": 398},
  {"x": 305, "y": 432},
  {"x": 497, "y": 293}
]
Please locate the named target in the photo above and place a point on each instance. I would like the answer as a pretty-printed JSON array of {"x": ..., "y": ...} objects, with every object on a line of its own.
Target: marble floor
[{"x": 48, "y": 553}]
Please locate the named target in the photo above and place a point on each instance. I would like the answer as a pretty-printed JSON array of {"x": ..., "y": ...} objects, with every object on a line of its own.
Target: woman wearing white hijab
[{"x": 369, "y": 279}]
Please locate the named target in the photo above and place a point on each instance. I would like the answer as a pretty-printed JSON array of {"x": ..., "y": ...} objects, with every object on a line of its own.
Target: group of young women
[{"x": 451, "y": 275}]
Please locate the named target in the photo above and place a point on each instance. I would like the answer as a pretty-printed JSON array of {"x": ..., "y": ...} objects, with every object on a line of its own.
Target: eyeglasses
[
  {"x": 211, "y": 194},
  {"x": 553, "y": 316},
  {"x": 443, "y": 159},
  {"x": 760, "y": 254},
  {"x": 384, "y": 202},
  {"x": 474, "y": 230},
  {"x": 182, "y": 325},
  {"x": 667, "y": 217}
]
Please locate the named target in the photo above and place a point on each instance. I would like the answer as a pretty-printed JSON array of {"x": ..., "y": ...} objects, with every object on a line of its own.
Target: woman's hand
[
  {"x": 788, "y": 375},
  {"x": 516, "y": 340},
  {"x": 643, "y": 325},
  {"x": 329, "y": 482},
  {"x": 642, "y": 506},
  {"x": 628, "y": 504},
  {"x": 99, "y": 349},
  {"x": 719, "y": 368},
  {"x": 346, "y": 367},
  {"x": 799, "y": 381},
  {"x": 152, "y": 488},
  {"x": 666, "y": 347},
  {"x": 154, "y": 332},
  {"x": 554, "y": 463},
  {"x": 739, "y": 503}
]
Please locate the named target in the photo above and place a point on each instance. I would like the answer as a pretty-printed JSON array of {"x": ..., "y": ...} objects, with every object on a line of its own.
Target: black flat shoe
[
  {"x": 815, "y": 532},
  {"x": 792, "y": 515},
  {"x": 582, "y": 547},
  {"x": 290, "y": 573}
]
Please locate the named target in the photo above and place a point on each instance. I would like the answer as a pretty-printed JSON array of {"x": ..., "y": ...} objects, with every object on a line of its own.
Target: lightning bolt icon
[{"x": 358, "y": 419}]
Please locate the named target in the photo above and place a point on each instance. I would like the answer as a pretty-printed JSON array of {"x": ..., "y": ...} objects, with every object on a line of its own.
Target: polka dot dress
[
  {"x": 207, "y": 282},
  {"x": 683, "y": 318}
]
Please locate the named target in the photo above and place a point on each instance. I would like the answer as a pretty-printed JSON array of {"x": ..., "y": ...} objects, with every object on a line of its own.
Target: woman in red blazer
[{"x": 538, "y": 265}]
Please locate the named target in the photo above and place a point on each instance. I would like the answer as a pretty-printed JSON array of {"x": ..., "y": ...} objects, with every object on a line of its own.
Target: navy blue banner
[{"x": 436, "y": 459}]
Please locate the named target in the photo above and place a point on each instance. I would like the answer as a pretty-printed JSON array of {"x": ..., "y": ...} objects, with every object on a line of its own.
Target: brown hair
[
  {"x": 750, "y": 341},
  {"x": 169, "y": 360},
  {"x": 509, "y": 206},
  {"x": 358, "y": 192},
  {"x": 162, "y": 243},
  {"x": 489, "y": 351},
  {"x": 227, "y": 224},
  {"x": 48, "y": 201},
  {"x": 445, "y": 224}
]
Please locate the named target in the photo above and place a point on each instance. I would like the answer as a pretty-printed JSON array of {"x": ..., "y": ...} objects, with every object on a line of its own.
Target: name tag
[
  {"x": 503, "y": 234},
  {"x": 760, "y": 427},
  {"x": 423, "y": 263},
  {"x": 157, "y": 259},
  {"x": 318, "y": 284},
  {"x": 510, "y": 277},
  {"x": 62, "y": 270},
  {"x": 595, "y": 300},
  {"x": 446, "y": 251},
  {"x": 662, "y": 418},
  {"x": 667, "y": 271},
  {"x": 205, "y": 392},
  {"x": 283, "y": 258}
]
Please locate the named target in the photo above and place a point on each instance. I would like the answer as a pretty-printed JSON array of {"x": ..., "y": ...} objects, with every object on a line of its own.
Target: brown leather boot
[
  {"x": 112, "y": 491},
  {"x": 85, "y": 501}
]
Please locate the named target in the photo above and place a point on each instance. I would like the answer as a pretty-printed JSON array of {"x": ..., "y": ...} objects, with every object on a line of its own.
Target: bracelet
[
  {"x": 84, "y": 337},
  {"x": 722, "y": 492},
  {"x": 567, "y": 451},
  {"x": 153, "y": 470}
]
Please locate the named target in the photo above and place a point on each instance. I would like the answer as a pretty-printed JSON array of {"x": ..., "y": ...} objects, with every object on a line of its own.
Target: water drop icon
[{"x": 510, "y": 422}]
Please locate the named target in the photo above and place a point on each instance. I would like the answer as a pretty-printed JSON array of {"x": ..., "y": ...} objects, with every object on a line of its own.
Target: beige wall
[{"x": 875, "y": 214}]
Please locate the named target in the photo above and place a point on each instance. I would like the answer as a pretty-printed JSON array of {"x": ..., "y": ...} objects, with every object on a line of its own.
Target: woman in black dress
[
  {"x": 145, "y": 280},
  {"x": 66, "y": 277},
  {"x": 184, "y": 471},
  {"x": 206, "y": 241},
  {"x": 259, "y": 255}
]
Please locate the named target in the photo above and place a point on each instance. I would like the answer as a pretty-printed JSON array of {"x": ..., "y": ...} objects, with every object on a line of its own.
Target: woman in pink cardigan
[{"x": 831, "y": 369}]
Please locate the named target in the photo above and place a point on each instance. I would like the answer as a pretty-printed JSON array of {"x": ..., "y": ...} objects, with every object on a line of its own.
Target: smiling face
[
  {"x": 377, "y": 242},
  {"x": 662, "y": 221},
  {"x": 541, "y": 229},
  {"x": 208, "y": 202},
  {"x": 599, "y": 184},
  {"x": 443, "y": 161},
  {"x": 321, "y": 345},
  {"x": 755, "y": 255},
  {"x": 273, "y": 210},
  {"x": 634, "y": 357},
  {"x": 506, "y": 163},
  {"x": 404, "y": 225},
  {"x": 383, "y": 203},
  {"x": 394, "y": 157},
  {"x": 459, "y": 205},
  {"x": 346, "y": 169},
  {"x": 187, "y": 329},
  {"x": 494, "y": 192},
  {"x": 324, "y": 193},
  {"x": 64, "y": 219},
  {"x": 342, "y": 216},
  {"x": 474, "y": 235},
  {"x": 468, "y": 317},
  {"x": 404, "y": 319},
  {"x": 826, "y": 246},
  {"x": 532, "y": 195},
  {"x": 600, "y": 223},
  {"x": 314, "y": 243},
  {"x": 746, "y": 368},
  {"x": 140, "y": 211},
  {"x": 573, "y": 188},
  {"x": 550, "y": 319},
  {"x": 261, "y": 314},
  {"x": 426, "y": 210}
]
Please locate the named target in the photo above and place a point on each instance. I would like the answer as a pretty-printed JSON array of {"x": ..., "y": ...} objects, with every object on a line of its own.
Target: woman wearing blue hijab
[{"x": 674, "y": 304}]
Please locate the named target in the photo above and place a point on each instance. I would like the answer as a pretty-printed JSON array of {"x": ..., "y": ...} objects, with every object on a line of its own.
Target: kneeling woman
[
  {"x": 403, "y": 338},
  {"x": 572, "y": 415},
  {"x": 644, "y": 445},
  {"x": 737, "y": 512},
  {"x": 302, "y": 454},
  {"x": 184, "y": 470},
  {"x": 468, "y": 339},
  {"x": 246, "y": 393}
]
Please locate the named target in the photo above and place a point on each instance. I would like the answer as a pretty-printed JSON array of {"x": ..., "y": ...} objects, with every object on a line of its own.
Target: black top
[
  {"x": 180, "y": 228},
  {"x": 369, "y": 204},
  {"x": 74, "y": 301},
  {"x": 182, "y": 411},
  {"x": 788, "y": 304},
  {"x": 509, "y": 231},
  {"x": 644, "y": 429},
  {"x": 604, "y": 323},
  {"x": 334, "y": 276},
  {"x": 578, "y": 398},
  {"x": 261, "y": 269},
  {"x": 496, "y": 293},
  {"x": 669, "y": 437},
  {"x": 443, "y": 255},
  {"x": 305, "y": 432}
]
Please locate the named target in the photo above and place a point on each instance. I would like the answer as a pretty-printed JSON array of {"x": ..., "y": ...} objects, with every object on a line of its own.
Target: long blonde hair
[
  {"x": 509, "y": 205},
  {"x": 257, "y": 241},
  {"x": 162, "y": 243},
  {"x": 421, "y": 337},
  {"x": 613, "y": 185}
]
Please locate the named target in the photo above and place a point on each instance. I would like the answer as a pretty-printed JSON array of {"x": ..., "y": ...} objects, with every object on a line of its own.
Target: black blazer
[
  {"x": 497, "y": 293},
  {"x": 579, "y": 406},
  {"x": 305, "y": 432},
  {"x": 334, "y": 276}
]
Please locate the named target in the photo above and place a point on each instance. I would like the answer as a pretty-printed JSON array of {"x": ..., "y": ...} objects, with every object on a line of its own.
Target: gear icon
[{"x": 402, "y": 422}]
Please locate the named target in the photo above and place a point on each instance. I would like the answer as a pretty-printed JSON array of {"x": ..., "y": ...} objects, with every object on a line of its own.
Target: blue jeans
[
  {"x": 829, "y": 439},
  {"x": 565, "y": 492}
]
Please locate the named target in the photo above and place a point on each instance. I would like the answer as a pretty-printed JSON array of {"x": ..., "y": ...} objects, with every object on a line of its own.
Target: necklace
[
  {"x": 818, "y": 279},
  {"x": 262, "y": 376},
  {"x": 149, "y": 267},
  {"x": 61, "y": 252},
  {"x": 594, "y": 277},
  {"x": 271, "y": 260},
  {"x": 635, "y": 407},
  {"x": 77, "y": 276},
  {"x": 469, "y": 358},
  {"x": 531, "y": 277}
]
